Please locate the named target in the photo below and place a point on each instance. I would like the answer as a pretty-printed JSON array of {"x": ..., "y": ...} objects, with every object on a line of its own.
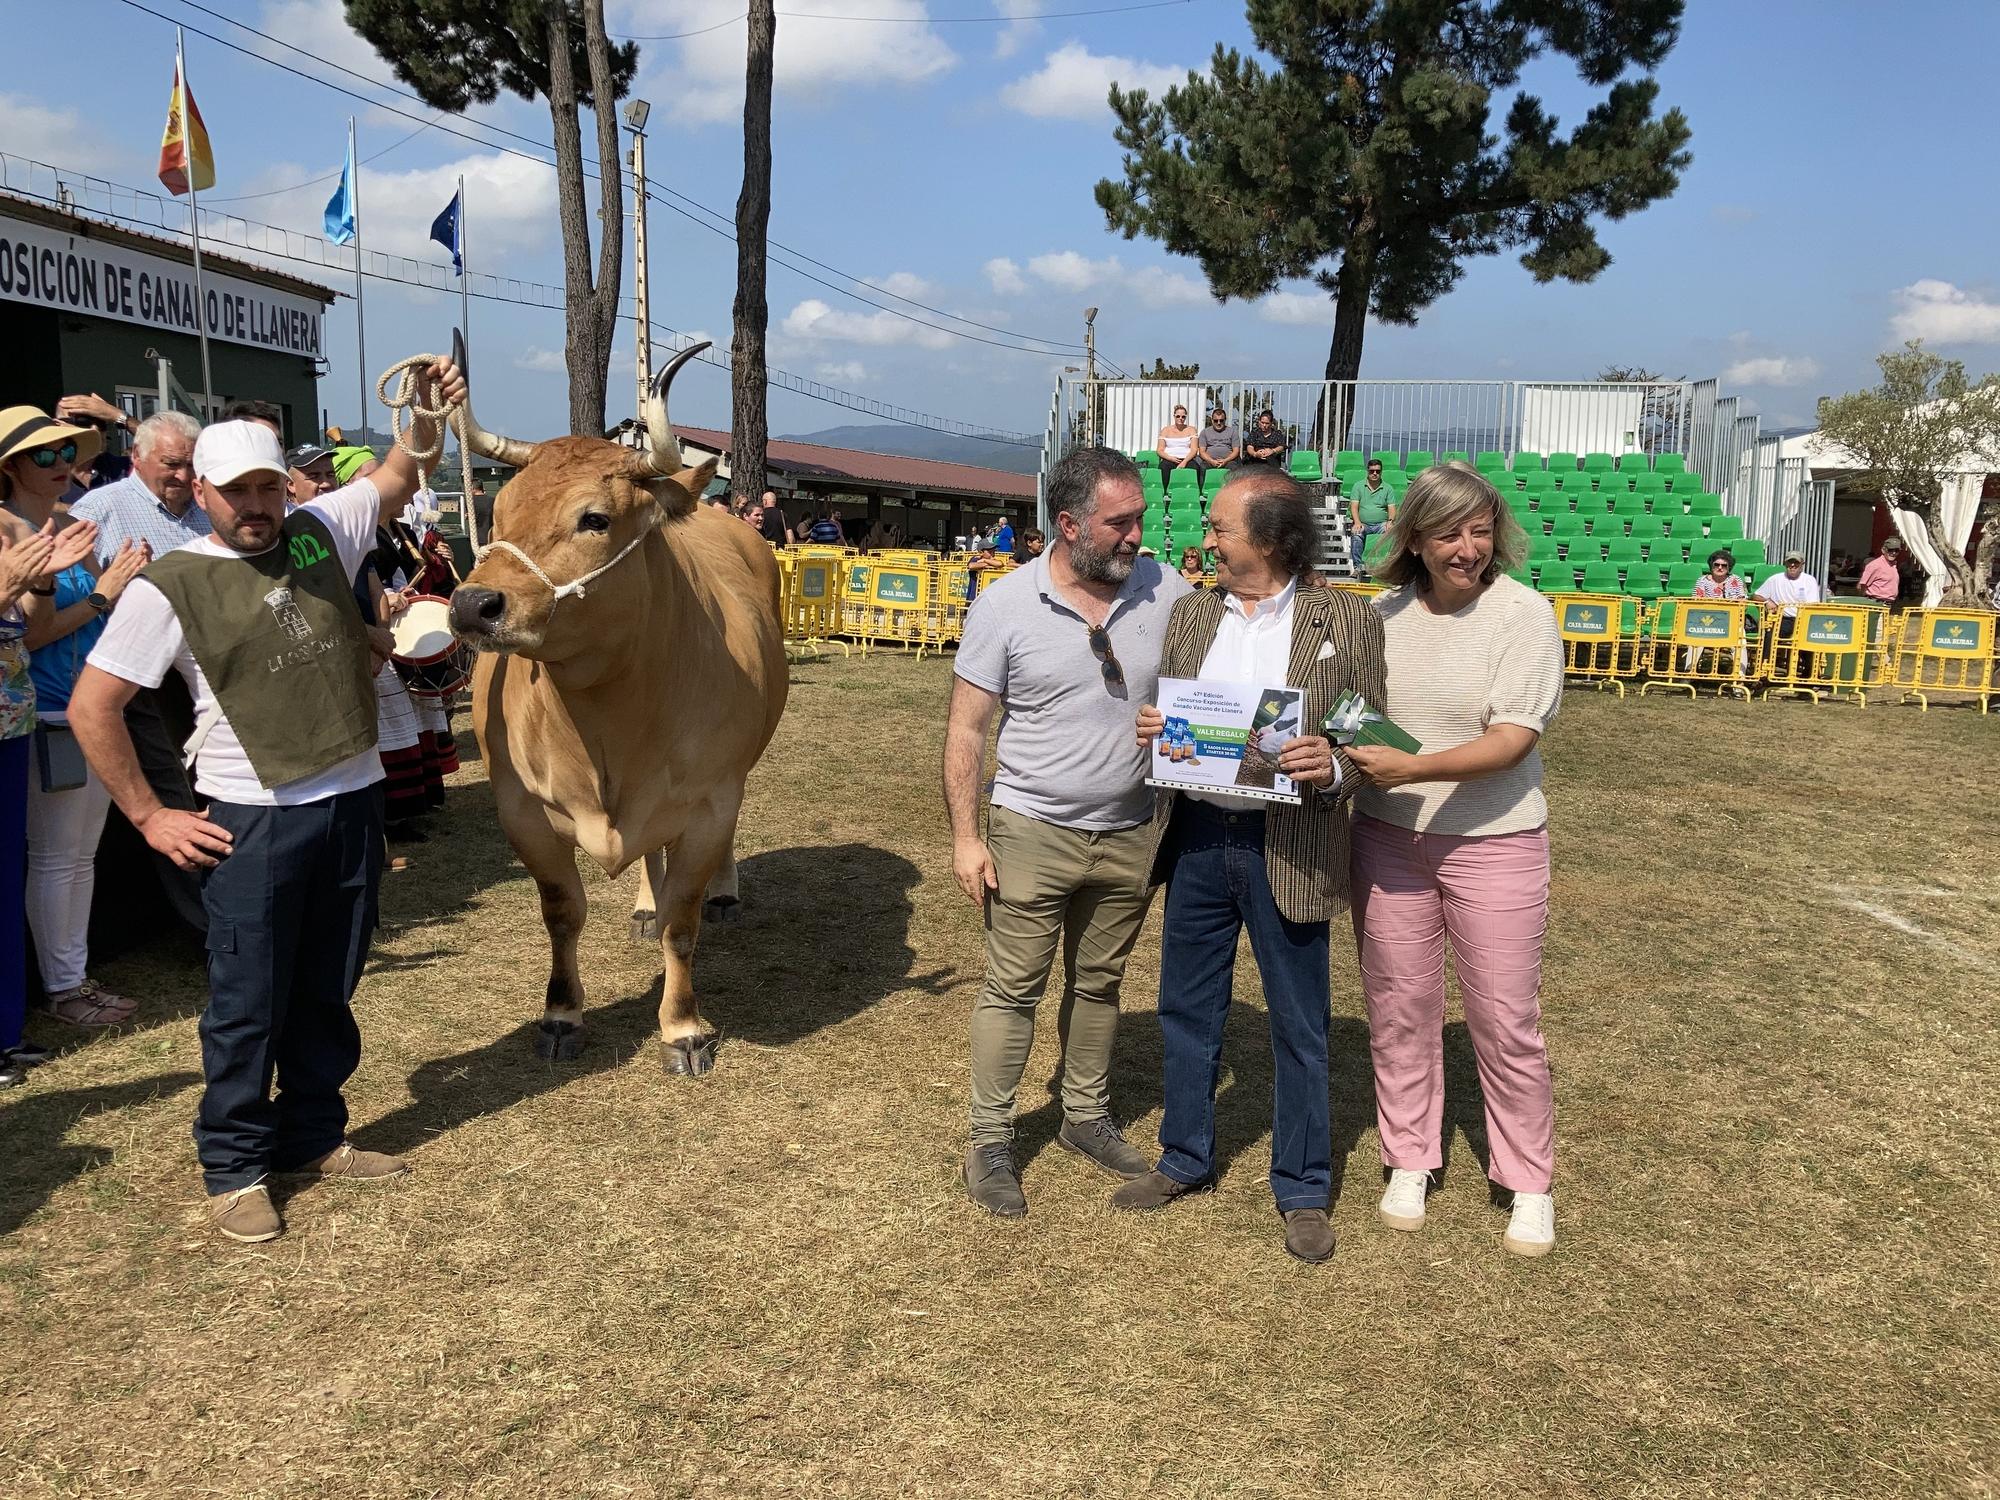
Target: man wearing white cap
[
  {"x": 260, "y": 620},
  {"x": 1791, "y": 588}
]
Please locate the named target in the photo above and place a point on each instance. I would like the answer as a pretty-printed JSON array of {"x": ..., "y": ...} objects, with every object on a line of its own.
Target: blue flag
[
  {"x": 340, "y": 226},
  {"x": 444, "y": 229}
]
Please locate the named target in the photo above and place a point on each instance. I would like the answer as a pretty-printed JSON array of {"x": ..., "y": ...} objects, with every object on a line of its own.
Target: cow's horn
[
  {"x": 665, "y": 456},
  {"x": 478, "y": 439}
]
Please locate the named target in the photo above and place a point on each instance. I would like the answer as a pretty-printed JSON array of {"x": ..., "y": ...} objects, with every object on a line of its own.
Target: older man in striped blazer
[{"x": 1231, "y": 862}]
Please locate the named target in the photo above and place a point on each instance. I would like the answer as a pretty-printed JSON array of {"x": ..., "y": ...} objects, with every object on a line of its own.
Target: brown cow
[{"x": 632, "y": 672}]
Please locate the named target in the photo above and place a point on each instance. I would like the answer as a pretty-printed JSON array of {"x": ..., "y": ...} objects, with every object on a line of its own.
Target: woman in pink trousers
[{"x": 1452, "y": 842}]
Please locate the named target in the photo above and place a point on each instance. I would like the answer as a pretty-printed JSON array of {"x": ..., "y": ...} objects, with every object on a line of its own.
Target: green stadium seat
[
  {"x": 1625, "y": 551},
  {"x": 1604, "y": 526},
  {"x": 1542, "y": 545},
  {"x": 1566, "y": 524},
  {"x": 1523, "y": 575},
  {"x": 1526, "y": 460},
  {"x": 1562, "y": 463},
  {"x": 1602, "y": 578},
  {"x": 1682, "y": 577},
  {"x": 1520, "y": 503},
  {"x": 1598, "y": 463},
  {"x": 1349, "y": 458},
  {"x": 1388, "y": 458},
  {"x": 1748, "y": 551},
  {"x": 1704, "y": 503},
  {"x": 1669, "y": 463},
  {"x": 1635, "y": 463},
  {"x": 1459, "y": 456},
  {"x": 1305, "y": 467},
  {"x": 1724, "y": 528},
  {"x": 1760, "y": 571},
  {"x": 1642, "y": 580},
  {"x": 1212, "y": 481},
  {"x": 1646, "y": 482},
  {"x": 1151, "y": 483},
  {"x": 1490, "y": 458},
  {"x": 1417, "y": 460},
  {"x": 1686, "y": 529},
  {"x": 1631, "y": 507},
  {"x": 1183, "y": 482}
]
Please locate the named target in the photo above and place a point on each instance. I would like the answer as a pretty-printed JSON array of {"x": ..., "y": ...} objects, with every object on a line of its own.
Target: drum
[{"x": 432, "y": 662}]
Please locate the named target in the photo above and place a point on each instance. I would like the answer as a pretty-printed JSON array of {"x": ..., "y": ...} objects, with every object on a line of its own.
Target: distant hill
[{"x": 924, "y": 442}]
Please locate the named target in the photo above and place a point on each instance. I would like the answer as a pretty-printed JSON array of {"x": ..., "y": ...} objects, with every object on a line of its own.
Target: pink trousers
[{"x": 1491, "y": 897}]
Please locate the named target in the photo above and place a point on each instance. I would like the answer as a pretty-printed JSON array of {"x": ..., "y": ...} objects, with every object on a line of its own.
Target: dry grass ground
[{"x": 1770, "y": 998}]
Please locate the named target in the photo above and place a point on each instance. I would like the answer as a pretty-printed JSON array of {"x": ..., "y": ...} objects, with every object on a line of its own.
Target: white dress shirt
[{"x": 1253, "y": 644}]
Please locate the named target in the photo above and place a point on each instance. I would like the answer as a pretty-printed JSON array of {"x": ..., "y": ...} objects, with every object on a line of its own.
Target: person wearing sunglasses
[
  {"x": 1066, "y": 644},
  {"x": 1231, "y": 862},
  {"x": 66, "y": 803},
  {"x": 1175, "y": 445},
  {"x": 40, "y": 453}
]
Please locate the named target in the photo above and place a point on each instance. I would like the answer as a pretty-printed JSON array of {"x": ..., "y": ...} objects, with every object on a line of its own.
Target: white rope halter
[{"x": 403, "y": 412}]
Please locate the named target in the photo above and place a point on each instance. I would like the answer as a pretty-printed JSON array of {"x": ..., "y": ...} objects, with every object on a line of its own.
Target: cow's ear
[{"x": 679, "y": 494}]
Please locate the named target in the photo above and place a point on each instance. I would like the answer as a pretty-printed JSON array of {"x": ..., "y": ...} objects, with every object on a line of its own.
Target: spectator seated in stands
[
  {"x": 1265, "y": 442},
  {"x": 1370, "y": 510},
  {"x": 1219, "y": 446},
  {"x": 1191, "y": 566},
  {"x": 1720, "y": 581},
  {"x": 1176, "y": 442}
]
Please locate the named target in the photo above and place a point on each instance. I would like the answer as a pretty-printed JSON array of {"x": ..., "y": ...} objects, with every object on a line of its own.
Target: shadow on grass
[
  {"x": 825, "y": 937},
  {"x": 37, "y": 1161}
]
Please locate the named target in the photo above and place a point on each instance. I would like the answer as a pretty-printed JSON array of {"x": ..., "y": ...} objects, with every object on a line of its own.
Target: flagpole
[
  {"x": 360, "y": 327},
  {"x": 464, "y": 275},
  {"x": 194, "y": 224}
]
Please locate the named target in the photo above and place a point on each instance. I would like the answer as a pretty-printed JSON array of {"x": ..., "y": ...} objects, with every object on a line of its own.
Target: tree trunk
[
  {"x": 587, "y": 361},
  {"x": 747, "y": 376},
  {"x": 1961, "y": 590},
  {"x": 1988, "y": 572},
  {"x": 611, "y": 207},
  {"x": 1353, "y": 283}
]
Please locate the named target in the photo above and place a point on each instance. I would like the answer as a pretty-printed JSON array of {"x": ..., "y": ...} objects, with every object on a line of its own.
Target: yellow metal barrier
[
  {"x": 896, "y": 598},
  {"x": 1832, "y": 649},
  {"x": 1603, "y": 638},
  {"x": 1944, "y": 651},
  {"x": 813, "y": 580},
  {"x": 1697, "y": 643}
]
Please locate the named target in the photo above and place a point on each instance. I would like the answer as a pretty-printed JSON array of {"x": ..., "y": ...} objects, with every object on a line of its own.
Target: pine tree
[
  {"x": 1365, "y": 160},
  {"x": 457, "y": 53}
]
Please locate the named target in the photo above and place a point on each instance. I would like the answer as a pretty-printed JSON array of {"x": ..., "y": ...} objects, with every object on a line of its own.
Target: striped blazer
[{"x": 1305, "y": 847}]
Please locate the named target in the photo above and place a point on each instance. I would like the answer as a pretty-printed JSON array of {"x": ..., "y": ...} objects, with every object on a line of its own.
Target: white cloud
[
  {"x": 1074, "y": 83},
  {"x": 543, "y": 361},
  {"x": 700, "y": 78},
  {"x": 902, "y": 284},
  {"x": 1945, "y": 314},
  {"x": 1782, "y": 369},
  {"x": 1005, "y": 277},
  {"x": 848, "y": 372},
  {"x": 1015, "y": 34},
  {"x": 1299, "y": 309},
  {"x": 1156, "y": 286},
  {"x": 1072, "y": 272},
  {"x": 56, "y": 136},
  {"x": 813, "y": 321}
]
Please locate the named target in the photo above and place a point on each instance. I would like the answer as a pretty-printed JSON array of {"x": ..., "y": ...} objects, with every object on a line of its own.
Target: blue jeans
[
  {"x": 1357, "y": 540},
  {"x": 1217, "y": 886},
  {"x": 291, "y": 909}
]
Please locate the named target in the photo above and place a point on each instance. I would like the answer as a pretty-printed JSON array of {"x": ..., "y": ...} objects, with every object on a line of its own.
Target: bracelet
[{"x": 47, "y": 593}]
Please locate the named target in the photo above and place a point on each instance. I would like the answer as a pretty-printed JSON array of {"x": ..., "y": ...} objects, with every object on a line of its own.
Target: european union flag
[
  {"x": 444, "y": 229},
  {"x": 340, "y": 225}
]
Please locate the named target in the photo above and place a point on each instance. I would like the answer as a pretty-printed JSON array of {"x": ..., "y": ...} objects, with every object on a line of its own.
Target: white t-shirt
[
  {"x": 143, "y": 641},
  {"x": 1782, "y": 590}
]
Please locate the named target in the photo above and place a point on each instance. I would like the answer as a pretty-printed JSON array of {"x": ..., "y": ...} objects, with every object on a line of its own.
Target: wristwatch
[{"x": 99, "y": 603}]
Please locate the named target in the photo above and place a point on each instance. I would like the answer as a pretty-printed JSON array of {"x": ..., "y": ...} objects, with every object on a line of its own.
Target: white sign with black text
[{"x": 51, "y": 268}]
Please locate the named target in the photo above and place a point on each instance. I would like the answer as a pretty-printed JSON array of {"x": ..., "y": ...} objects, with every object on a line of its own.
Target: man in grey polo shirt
[{"x": 1070, "y": 646}]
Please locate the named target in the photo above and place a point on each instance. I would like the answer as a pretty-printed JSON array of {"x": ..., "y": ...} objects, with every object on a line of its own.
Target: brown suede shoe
[
  {"x": 1154, "y": 1190},
  {"x": 246, "y": 1215},
  {"x": 1308, "y": 1235},
  {"x": 1103, "y": 1144},
  {"x": 349, "y": 1165}
]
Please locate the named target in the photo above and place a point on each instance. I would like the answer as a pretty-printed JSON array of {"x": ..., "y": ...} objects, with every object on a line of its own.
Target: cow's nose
[{"x": 475, "y": 610}]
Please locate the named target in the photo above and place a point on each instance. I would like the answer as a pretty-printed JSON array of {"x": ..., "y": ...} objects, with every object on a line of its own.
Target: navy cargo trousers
[{"x": 291, "y": 910}]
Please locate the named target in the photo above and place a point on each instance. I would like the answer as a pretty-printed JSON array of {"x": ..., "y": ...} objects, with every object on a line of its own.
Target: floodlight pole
[
  {"x": 635, "y": 120},
  {"x": 1090, "y": 376}
]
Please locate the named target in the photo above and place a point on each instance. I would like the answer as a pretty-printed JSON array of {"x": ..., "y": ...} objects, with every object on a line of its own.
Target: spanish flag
[{"x": 185, "y": 158}]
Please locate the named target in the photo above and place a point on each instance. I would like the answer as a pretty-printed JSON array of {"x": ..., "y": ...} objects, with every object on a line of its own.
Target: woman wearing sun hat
[
  {"x": 39, "y": 452},
  {"x": 66, "y": 803}
]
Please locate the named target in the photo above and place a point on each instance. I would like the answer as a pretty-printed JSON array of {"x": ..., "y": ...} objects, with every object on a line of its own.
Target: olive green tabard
[{"x": 282, "y": 643}]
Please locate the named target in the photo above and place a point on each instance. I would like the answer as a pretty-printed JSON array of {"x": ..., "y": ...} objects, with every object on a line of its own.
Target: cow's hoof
[
  {"x": 558, "y": 1041},
  {"x": 723, "y": 909},
  {"x": 645, "y": 927},
  {"x": 689, "y": 1056}
]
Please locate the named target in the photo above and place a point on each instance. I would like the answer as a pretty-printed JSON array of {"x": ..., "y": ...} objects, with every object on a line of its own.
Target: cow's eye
[{"x": 593, "y": 520}]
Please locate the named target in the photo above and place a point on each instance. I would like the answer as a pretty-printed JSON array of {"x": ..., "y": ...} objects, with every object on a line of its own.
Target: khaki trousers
[{"x": 1087, "y": 890}]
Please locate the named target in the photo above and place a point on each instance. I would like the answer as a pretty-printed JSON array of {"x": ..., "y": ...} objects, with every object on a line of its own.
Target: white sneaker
[
  {"x": 1532, "y": 1229},
  {"x": 1403, "y": 1202}
]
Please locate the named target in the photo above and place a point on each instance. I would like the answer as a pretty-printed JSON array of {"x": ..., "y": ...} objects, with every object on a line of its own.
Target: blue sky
[{"x": 1842, "y": 197}]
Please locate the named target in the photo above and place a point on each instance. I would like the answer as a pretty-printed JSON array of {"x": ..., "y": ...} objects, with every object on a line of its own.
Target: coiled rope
[{"x": 404, "y": 410}]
